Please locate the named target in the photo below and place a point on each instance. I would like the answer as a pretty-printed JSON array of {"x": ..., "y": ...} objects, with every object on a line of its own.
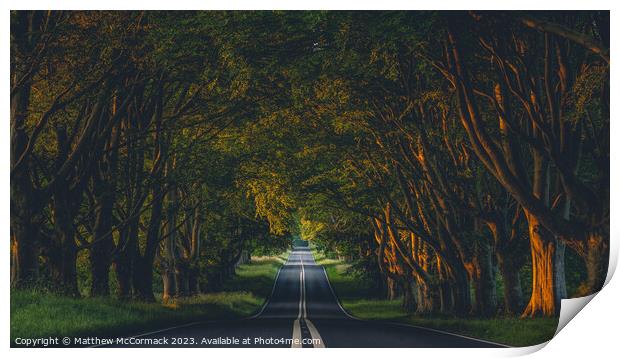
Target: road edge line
[
  {"x": 207, "y": 321},
  {"x": 406, "y": 324},
  {"x": 337, "y": 299},
  {"x": 449, "y": 333},
  {"x": 273, "y": 289},
  {"x": 150, "y": 333}
]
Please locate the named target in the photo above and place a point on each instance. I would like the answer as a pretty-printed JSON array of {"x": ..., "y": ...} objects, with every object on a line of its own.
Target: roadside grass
[
  {"x": 358, "y": 298},
  {"x": 257, "y": 277},
  {"x": 36, "y": 314}
]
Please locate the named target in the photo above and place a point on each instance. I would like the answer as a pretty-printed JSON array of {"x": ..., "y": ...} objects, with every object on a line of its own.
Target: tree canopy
[{"x": 455, "y": 156}]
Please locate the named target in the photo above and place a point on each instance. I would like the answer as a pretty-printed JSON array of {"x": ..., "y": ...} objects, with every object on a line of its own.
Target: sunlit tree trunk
[
  {"x": 545, "y": 298},
  {"x": 169, "y": 284},
  {"x": 542, "y": 245}
]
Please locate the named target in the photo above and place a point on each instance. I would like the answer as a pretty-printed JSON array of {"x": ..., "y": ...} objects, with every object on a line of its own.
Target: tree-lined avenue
[{"x": 289, "y": 308}]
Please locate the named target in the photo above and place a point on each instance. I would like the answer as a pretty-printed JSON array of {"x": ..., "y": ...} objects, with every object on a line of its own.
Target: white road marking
[
  {"x": 317, "y": 341},
  {"x": 273, "y": 289},
  {"x": 314, "y": 333},
  {"x": 302, "y": 308},
  {"x": 405, "y": 324},
  {"x": 297, "y": 325},
  {"x": 336, "y": 298},
  {"x": 296, "y": 335},
  {"x": 209, "y": 321}
]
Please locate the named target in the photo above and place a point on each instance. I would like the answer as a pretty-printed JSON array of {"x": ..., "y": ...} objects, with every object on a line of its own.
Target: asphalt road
[{"x": 302, "y": 311}]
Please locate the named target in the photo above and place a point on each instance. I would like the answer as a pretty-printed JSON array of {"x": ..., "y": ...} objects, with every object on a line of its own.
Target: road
[{"x": 302, "y": 312}]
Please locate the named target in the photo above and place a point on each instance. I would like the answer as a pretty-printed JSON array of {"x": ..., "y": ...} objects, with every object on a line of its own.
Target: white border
[{"x": 592, "y": 332}]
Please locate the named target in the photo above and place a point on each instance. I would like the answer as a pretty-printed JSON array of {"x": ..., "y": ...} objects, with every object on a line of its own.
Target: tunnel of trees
[{"x": 461, "y": 159}]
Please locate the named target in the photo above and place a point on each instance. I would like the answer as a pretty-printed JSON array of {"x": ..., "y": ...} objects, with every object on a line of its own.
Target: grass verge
[
  {"x": 360, "y": 300},
  {"x": 35, "y": 314}
]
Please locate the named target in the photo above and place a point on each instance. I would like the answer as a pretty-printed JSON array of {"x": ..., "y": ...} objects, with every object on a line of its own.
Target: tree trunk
[
  {"x": 63, "y": 250},
  {"x": 425, "y": 299},
  {"x": 230, "y": 271},
  {"x": 409, "y": 298},
  {"x": 596, "y": 260},
  {"x": 169, "y": 284},
  {"x": 485, "y": 287},
  {"x": 124, "y": 259},
  {"x": 193, "y": 281},
  {"x": 104, "y": 183},
  {"x": 244, "y": 258},
  {"x": 143, "y": 279},
  {"x": 543, "y": 300},
  {"x": 143, "y": 264},
  {"x": 25, "y": 266},
  {"x": 123, "y": 270},
  {"x": 25, "y": 203},
  {"x": 214, "y": 278},
  {"x": 560, "y": 250},
  {"x": 100, "y": 269},
  {"x": 444, "y": 294},
  {"x": 62, "y": 260},
  {"x": 101, "y": 250},
  {"x": 392, "y": 292},
  {"x": 513, "y": 294},
  {"x": 509, "y": 250},
  {"x": 446, "y": 302},
  {"x": 559, "y": 271},
  {"x": 461, "y": 293},
  {"x": 181, "y": 278}
]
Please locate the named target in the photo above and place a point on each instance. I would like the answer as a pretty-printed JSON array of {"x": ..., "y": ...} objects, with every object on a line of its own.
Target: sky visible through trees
[{"x": 460, "y": 159}]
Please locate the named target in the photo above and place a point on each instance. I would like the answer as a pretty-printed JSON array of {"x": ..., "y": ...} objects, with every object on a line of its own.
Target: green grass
[
  {"x": 256, "y": 277},
  {"x": 35, "y": 314},
  {"x": 360, "y": 300}
]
